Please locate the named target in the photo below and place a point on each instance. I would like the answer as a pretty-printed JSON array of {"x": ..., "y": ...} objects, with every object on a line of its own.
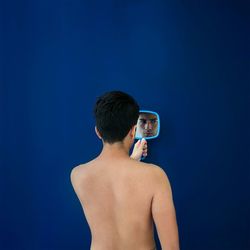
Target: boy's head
[{"x": 116, "y": 113}]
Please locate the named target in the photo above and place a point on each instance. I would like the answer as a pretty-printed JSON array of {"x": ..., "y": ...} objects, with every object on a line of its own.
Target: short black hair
[{"x": 115, "y": 113}]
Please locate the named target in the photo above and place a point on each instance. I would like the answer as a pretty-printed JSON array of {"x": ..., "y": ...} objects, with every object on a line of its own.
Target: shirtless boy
[{"x": 122, "y": 197}]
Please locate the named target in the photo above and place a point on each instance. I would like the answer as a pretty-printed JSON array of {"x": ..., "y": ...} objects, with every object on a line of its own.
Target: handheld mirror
[{"x": 148, "y": 125}]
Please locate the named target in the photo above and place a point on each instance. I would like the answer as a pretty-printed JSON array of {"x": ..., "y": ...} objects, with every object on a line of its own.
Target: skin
[
  {"x": 147, "y": 125},
  {"x": 121, "y": 197}
]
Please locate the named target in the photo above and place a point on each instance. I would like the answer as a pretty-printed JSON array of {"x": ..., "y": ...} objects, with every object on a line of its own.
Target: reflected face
[{"x": 147, "y": 125}]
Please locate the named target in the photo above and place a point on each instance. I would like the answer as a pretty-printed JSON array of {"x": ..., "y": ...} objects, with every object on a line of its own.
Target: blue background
[{"x": 186, "y": 60}]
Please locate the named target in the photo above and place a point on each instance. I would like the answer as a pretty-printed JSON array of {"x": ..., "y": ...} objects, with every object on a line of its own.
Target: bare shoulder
[
  {"x": 159, "y": 176},
  {"x": 76, "y": 170},
  {"x": 77, "y": 173},
  {"x": 158, "y": 171},
  {"x": 155, "y": 170},
  {"x": 80, "y": 179}
]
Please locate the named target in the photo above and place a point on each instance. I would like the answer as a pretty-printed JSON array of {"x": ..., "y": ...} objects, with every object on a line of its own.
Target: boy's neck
[{"x": 117, "y": 149}]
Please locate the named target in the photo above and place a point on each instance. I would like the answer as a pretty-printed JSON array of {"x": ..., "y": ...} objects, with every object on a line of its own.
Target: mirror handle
[{"x": 143, "y": 157}]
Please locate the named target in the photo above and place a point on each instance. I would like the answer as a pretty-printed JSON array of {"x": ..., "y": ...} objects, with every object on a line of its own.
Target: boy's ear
[
  {"x": 97, "y": 132},
  {"x": 133, "y": 131}
]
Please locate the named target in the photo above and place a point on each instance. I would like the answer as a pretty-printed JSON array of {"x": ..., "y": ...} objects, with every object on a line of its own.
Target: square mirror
[{"x": 148, "y": 125}]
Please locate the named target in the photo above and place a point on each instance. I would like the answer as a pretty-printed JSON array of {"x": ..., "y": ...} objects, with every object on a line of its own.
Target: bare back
[{"x": 116, "y": 197}]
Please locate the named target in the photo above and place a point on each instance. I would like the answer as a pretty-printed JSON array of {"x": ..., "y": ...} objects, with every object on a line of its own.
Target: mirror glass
[{"x": 148, "y": 125}]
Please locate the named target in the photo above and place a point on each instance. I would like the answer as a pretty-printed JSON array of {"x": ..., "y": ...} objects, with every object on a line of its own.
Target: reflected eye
[
  {"x": 143, "y": 121},
  {"x": 153, "y": 121}
]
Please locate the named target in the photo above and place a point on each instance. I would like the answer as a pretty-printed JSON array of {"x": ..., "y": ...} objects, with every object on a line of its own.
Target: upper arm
[
  {"x": 73, "y": 175},
  {"x": 74, "y": 178},
  {"x": 163, "y": 211}
]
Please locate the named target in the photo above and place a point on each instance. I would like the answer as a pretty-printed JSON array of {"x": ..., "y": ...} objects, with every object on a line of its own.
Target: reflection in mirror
[{"x": 147, "y": 125}]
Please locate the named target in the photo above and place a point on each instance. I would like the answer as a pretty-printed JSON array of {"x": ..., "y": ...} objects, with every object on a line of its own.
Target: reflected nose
[{"x": 148, "y": 125}]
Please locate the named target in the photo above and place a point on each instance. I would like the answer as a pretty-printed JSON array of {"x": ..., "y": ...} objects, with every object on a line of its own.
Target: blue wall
[{"x": 187, "y": 60}]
